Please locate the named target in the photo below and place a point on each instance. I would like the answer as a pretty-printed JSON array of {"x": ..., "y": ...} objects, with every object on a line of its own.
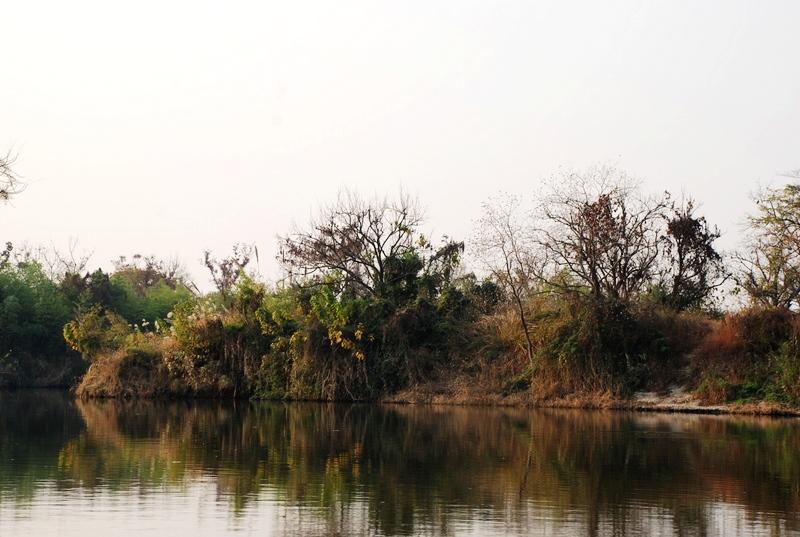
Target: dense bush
[
  {"x": 96, "y": 331},
  {"x": 750, "y": 356},
  {"x": 32, "y": 351},
  {"x": 147, "y": 304},
  {"x": 307, "y": 341},
  {"x": 30, "y": 311}
]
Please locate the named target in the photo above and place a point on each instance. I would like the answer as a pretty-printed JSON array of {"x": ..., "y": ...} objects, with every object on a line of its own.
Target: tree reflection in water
[{"x": 403, "y": 470}]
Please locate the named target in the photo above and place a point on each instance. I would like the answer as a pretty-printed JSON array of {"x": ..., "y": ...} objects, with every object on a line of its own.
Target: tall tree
[
  {"x": 504, "y": 245},
  {"x": 366, "y": 246},
  {"x": 600, "y": 233},
  {"x": 692, "y": 268},
  {"x": 769, "y": 265}
]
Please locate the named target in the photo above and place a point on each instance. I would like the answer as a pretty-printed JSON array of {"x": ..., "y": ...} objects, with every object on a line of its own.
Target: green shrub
[
  {"x": 713, "y": 389},
  {"x": 96, "y": 331},
  {"x": 31, "y": 313}
]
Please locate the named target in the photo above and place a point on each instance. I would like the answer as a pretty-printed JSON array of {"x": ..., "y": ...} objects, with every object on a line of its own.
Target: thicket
[
  {"x": 614, "y": 291},
  {"x": 93, "y": 311},
  {"x": 611, "y": 287},
  {"x": 597, "y": 290},
  {"x": 370, "y": 307},
  {"x": 32, "y": 350},
  {"x": 377, "y": 308},
  {"x": 751, "y": 356}
]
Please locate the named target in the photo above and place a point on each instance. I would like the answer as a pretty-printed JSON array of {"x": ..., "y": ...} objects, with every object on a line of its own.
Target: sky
[{"x": 172, "y": 127}]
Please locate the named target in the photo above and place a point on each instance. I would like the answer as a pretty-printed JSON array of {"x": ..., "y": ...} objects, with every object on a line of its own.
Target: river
[{"x": 75, "y": 468}]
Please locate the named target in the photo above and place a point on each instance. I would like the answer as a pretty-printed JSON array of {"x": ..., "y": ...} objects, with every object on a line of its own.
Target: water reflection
[{"x": 284, "y": 469}]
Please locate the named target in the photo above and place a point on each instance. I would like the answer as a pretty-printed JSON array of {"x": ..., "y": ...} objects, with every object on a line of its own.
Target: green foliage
[
  {"x": 83, "y": 292},
  {"x": 31, "y": 313},
  {"x": 380, "y": 309},
  {"x": 215, "y": 350},
  {"x": 785, "y": 386},
  {"x": 769, "y": 268},
  {"x": 141, "y": 291},
  {"x": 95, "y": 331},
  {"x": 150, "y": 304},
  {"x": 714, "y": 389},
  {"x": 518, "y": 384},
  {"x": 585, "y": 345},
  {"x": 326, "y": 342}
]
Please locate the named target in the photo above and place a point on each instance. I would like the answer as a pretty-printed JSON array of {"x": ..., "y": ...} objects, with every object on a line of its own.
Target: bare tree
[
  {"x": 144, "y": 272},
  {"x": 10, "y": 183},
  {"x": 226, "y": 272},
  {"x": 503, "y": 244},
  {"x": 600, "y": 234},
  {"x": 56, "y": 263},
  {"x": 355, "y": 242}
]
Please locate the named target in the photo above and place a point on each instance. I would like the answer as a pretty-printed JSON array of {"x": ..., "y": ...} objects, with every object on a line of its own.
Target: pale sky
[{"x": 170, "y": 127}]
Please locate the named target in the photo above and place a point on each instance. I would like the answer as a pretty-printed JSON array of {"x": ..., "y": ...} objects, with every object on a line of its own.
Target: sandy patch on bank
[{"x": 677, "y": 399}]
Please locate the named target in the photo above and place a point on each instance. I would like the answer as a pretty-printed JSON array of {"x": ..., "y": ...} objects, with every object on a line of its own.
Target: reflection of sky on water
[
  {"x": 194, "y": 510},
  {"x": 199, "y": 509}
]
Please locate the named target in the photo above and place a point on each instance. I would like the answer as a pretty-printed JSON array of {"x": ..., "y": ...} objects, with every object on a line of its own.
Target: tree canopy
[
  {"x": 367, "y": 246},
  {"x": 599, "y": 229},
  {"x": 769, "y": 266}
]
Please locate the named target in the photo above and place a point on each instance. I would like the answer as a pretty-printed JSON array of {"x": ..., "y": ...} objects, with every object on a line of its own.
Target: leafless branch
[
  {"x": 351, "y": 241},
  {"x": 11, "y": 183}
]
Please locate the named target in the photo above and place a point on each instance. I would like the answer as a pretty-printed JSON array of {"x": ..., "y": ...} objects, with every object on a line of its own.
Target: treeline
[
  {"x": 40, "y": 304},
  {"x": 594, "y": 289}
]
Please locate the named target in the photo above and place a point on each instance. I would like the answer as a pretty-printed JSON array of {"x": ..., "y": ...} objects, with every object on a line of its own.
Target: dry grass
[
  {"x": 484, "y": 390},
  {"x": 747, "y": 357},
  {"x": 562, "y": 381},
  {"x": 500, "y": 336},
  {"x": 721, "y": 355},
  {"x": 740, "y": 341},
  {"x": 138, "y": 371}
]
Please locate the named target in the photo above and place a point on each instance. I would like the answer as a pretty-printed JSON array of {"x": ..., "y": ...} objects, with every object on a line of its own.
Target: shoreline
[
  {"x": 485, "y": 390},
  {"x": 676, "y": 400}
]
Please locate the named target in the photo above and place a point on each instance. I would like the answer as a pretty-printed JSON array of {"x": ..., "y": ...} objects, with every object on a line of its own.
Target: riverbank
[
  {"x": 302, "y": 344},
  {"x": 468, "y": 390}
]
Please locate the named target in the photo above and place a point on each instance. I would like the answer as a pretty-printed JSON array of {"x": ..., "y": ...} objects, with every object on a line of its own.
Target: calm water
[{"x": 208, "y": 468}]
